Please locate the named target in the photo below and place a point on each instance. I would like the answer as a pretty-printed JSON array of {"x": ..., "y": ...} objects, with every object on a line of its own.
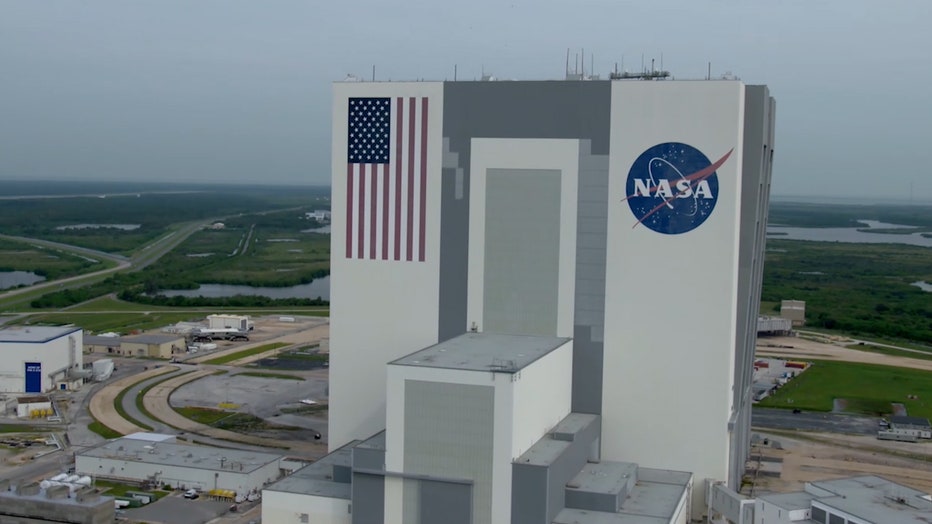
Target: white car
[{"x": 191, "y": 494}]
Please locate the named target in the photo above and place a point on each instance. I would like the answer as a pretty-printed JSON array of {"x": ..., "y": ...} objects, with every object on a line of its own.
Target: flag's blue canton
[{"x": 369, "y": 127}]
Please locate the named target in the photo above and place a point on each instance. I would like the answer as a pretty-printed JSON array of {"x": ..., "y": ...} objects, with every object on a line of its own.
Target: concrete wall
[
  {"x": 41, "y": 507},
  {"x": 368, "y": 328},
  {"x": 56, "y": 356},
  {"x": 291, "y": 508},
  {"x": 671, "y": 304}
]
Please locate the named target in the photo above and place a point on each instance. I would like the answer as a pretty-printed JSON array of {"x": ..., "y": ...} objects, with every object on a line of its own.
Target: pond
[
  {"x": 10, "y": 279},
  {"x": 318, "y": 288},
  {"x": 923, "y": 285}
]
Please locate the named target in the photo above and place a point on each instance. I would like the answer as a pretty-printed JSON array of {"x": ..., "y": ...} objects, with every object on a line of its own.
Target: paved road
[{"x": 813, "y": 421}]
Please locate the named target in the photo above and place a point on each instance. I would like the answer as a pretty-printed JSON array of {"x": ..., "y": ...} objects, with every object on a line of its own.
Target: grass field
[
  {"x": 207, "y": 416},
  {"x": 105, "y": 432},
  {"x": 21, "y": 428},
  {"x": 868, "y": 389},
  {"x": 245, "y": 353},
  {"x": 890, "y": 351}
]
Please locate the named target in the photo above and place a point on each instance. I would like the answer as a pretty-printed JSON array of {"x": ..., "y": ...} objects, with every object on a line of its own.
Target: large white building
[
  {"x": 37, "y": 359},
  {"x": 625, "y": 217}
]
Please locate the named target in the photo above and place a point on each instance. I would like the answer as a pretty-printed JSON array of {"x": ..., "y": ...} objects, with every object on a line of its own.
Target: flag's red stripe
[
  {"x": 423, "y": 207},
  {"x": 398, "y": 136},
  {"x": 384, "y": 211},
  {"x": 349, "y": 210},
  {"x": 410, "y": 202},
  {"x": 361, "y": 236},
  {"x": 373, "y": 209}
]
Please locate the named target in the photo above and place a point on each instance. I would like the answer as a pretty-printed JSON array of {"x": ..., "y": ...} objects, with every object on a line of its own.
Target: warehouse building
[
  {"x": 179, "y": 465},
  {"x": 100, "y": 344},
  {"x": 37, "y": 359},
  {"x": 154, "y": 346},
  {"x": 853, "y": 500}
]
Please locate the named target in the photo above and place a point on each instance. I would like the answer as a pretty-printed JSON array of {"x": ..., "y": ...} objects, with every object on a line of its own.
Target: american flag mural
[{"x": 386, "y": 178}]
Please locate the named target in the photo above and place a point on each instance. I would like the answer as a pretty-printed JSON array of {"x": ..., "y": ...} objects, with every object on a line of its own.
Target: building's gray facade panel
[
  {"x": 538, "y": 491},
  {"x": 445, "y": 503},
  {"x": 368, "y": 498},
  {"x": 561, "y": 110},
  {"x": 522, "y": 251},
  {"x": 448, "y": 433},
  {"x": 752, "y": 238}
]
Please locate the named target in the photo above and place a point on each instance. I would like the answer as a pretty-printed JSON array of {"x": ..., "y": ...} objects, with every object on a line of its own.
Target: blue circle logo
[{"x": 672, "y": 188}]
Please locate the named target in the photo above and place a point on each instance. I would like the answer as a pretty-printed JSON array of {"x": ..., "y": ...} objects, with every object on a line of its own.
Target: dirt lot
[{"x": 807, "y": 457}]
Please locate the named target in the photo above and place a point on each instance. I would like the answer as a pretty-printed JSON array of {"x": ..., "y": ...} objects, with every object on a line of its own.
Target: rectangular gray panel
[
  {"x": 445, "y": 503},
  {"x": 522, "y": 250},
  {"x": 448, "y": 434}
]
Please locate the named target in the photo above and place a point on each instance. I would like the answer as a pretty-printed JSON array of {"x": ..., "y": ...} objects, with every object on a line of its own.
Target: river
[
  {"x": 318, "y": 288},
  {"x": 851, "y": 234}
]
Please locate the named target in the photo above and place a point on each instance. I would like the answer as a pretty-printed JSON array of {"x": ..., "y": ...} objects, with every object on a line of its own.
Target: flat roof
[
  {"x": 552, "y": 445},
  {"x": 789, "y": 501},
  {"x": 152, "y": 339},
  {"x": 653, "y": 500},
  {"x": 96, "y": 340},
  {"x": 181, "y": 455},
  {"x": 34, "y": 334},
  {"x": 316, "y": 479},
  {"x": 876, "y": 499},
  {"x": 604, "y": 477},
  {"x": 910, "y": 421},
  {"x": 41, "y": 499},
  {"x": 484, "y": 352}
]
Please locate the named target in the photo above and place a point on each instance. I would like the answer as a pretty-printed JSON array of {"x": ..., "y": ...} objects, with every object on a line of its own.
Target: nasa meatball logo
[{"x": 672, "y": 188}]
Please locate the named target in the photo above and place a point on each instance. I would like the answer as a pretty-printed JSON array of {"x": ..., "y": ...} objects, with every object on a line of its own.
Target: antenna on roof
[{"x": 373, "y": 72}]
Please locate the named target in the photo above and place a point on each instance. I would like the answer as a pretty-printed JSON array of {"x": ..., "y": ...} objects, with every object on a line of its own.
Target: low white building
[
  {"x": 853, "y": 500},
  {"x": 320, "y": 215},
  {"x": 240, "y": 322},
  {"x": 179, "y": 465},
  {"x": 37, "y": 359}
]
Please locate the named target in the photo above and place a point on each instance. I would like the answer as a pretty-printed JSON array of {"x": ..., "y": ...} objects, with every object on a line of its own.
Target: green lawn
[
  {"x": 207, "y": 416},
  {"x": 245, "y": 353},
  {"x": 270, "y": 375},
  {"x": 105, "y": 432},
  {"x": 890, "y": 351},
  {"x": 18, "y": 428},
  {"x": 869, "y": 389}
]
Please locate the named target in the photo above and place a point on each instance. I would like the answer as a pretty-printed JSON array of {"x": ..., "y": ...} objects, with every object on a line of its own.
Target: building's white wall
[
  {"x": 504, "y": 421},
  {"x": 670, "y": 305},
  {"x": 767, "y": 513},
  {"x": 56, "y": 356},
  {"x": 558, "y": 154},
  {"x": 177, "y": 475},
  {"x": 287, "y": 508},
  {"x": 381, "y": 310},
  {"x": 542, "y": 398}
]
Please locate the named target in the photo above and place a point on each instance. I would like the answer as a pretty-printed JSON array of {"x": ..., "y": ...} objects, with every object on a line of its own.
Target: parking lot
[{"x": 175, "y": 509}]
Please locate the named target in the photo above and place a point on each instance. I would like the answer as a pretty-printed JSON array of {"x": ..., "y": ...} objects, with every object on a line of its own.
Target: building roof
[
  {"x": 181, "y": 455},
  {"x": 875, "y": 499},
  {"x": 34, "y": 334},
  {"x": 97, "y": 340},
  {"x": 789, "y": 501},
  {"x": 151, "y": 437},
  {"x": 546, "y": 450},
  {"x": 317, "y": 479},
  {"x": 653, "y": 500},
  {"x": 910, "y": 421},
  {"x": 152, "y": 339},
  {"x": 484, "y": 352}
]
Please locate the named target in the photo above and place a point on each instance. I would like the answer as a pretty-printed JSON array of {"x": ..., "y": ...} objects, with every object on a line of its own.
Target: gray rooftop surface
[
  {"x": 184, "y": 455},
  {"x": 34, "y": 334},
  {"x": 604, "y": 477},
  {"x": 152, "y": 339},
  {"x": 653, "y": 500},
  {"x": 317, "y": 478},
  {"x": 42, "y": 497},
  {"x": 376, "y": 441},
  {"x": 876, "y": 499},
  {"x": 484, "y": 352},
  {"x": 95, "y": 340},
  {"x": 789, "y": 501}
]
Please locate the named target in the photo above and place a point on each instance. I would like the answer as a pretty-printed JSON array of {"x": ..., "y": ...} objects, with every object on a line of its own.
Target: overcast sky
[{"x": 194, "y": 90}]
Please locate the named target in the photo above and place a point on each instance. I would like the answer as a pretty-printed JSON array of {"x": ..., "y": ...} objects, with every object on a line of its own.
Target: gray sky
[{"x": 240, "y": 90}]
